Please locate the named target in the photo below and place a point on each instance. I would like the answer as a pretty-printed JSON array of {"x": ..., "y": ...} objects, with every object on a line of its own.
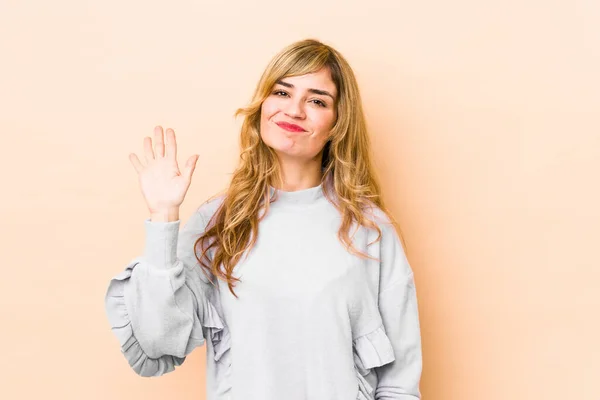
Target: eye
[{"x": 281, "y": 93}]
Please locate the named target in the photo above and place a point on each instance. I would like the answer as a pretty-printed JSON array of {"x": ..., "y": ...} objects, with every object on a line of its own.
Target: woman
[{"x": 295, "y": 277}]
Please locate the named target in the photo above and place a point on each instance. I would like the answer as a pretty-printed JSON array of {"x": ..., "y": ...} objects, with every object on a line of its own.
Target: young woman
[{"x": 295, "y": 277}]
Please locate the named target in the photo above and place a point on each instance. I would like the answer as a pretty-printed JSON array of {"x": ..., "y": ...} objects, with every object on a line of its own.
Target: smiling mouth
[{"x": 290, "y": 127}]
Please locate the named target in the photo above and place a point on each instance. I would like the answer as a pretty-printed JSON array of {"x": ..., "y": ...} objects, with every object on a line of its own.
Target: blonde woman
[{"x": 294, "y": 277}]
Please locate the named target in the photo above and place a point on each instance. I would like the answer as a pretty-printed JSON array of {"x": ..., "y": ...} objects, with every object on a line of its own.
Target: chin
[
  {"x": 282, "y": 150},
  {"x": 279, "y": 142}
]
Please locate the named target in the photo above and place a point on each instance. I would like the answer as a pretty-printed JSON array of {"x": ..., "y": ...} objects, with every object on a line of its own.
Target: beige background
[{"x": 484, "y": 117}]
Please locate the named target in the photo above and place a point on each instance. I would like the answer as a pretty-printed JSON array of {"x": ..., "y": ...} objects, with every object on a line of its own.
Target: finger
[
  {"x": 148, "y": 152},
  {"x": 171, "y": 147},
  {"x": 159, "y": 143},
  {"x": 136, "y": 162},
  {"x": 190, "y": 166}
]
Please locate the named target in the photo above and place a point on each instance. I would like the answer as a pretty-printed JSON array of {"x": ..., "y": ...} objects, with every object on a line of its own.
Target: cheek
[
  {"x": 322, "y": 125},
  {"x": 267, "y": 128},
  {"x": 323, "y": 122},
  {"x": 268, "y": 109}
]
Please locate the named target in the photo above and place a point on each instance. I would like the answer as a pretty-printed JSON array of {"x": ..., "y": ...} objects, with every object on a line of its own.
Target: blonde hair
[{"x": 346, "y": 166}]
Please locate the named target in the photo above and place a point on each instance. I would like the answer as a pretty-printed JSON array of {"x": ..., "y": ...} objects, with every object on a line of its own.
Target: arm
[
  {"x": 399, "y": 311},
  {"x": 158, "y": 306}
]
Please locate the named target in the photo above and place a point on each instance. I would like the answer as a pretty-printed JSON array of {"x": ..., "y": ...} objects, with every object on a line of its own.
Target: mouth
[{"x": 290, "y": 127}]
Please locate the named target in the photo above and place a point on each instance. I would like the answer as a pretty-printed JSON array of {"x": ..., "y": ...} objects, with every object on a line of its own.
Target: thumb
[{"x": 190, "y": 166}]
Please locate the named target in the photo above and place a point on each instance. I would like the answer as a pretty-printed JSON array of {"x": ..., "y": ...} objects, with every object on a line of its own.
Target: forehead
[{"x": 315, "y": 80}]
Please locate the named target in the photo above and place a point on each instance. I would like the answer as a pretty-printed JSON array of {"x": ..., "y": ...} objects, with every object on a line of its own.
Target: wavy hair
[{"x": 348, "y": 176}]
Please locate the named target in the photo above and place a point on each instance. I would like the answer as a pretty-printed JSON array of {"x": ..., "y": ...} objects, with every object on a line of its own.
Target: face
[{"x": 297, "y": 116}]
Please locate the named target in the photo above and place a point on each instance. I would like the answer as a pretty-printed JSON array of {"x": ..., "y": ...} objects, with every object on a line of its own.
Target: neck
[{"x": 299, "y": 174}]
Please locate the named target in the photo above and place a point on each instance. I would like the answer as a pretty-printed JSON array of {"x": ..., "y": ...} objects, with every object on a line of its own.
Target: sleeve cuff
[{"x": 161, "y": 242}]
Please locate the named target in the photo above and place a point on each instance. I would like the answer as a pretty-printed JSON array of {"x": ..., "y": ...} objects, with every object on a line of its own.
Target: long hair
[{"x": 347, "y": 170}]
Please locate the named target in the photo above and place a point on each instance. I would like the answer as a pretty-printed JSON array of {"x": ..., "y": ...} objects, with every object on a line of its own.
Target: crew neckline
[{"x": 302, "y": 197}]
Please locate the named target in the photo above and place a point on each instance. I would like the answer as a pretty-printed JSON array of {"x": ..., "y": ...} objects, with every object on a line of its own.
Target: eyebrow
[{"x": 311, "y": 90}]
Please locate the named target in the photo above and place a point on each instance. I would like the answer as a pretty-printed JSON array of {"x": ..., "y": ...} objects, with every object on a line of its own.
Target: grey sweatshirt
[{"x": 312, "y": 320}]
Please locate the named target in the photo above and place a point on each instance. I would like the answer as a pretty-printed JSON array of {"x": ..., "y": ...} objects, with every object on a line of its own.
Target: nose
[{"x": 295, "y": 108}]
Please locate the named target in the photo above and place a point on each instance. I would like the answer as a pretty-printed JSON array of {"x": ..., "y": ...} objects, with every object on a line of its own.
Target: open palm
[{"x": 163, "y": 184}]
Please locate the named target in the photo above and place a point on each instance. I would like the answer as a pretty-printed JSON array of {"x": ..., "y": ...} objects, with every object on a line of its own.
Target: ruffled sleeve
[
  {"x": 160, "y": 307},
  {"x": 371, "y": 350}
]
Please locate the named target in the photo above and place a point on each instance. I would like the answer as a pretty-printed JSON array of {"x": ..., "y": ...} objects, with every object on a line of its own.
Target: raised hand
[{"x": 162, "y": 183}]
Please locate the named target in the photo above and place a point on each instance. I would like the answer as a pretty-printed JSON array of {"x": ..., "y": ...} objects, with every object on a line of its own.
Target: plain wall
[{"x": 484, "y": 119}]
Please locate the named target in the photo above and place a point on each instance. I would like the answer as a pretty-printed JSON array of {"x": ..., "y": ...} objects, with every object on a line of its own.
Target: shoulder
[
  {"x": 394, "y": 265},
  {"x": 381, "y": 218},
  {"x": 202, "y": 215},
  {"x": 208, "y": 209},
  {"x": 392, "y": 243}
]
